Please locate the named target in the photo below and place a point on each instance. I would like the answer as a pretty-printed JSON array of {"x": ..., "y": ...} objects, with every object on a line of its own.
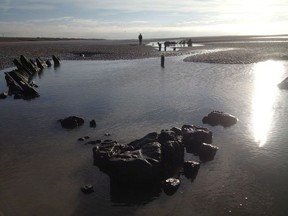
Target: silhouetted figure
[
  {"x": 159, "y": 45},
  {"x": 140, "y": 39},
  {"x": 189, "y": 42}
]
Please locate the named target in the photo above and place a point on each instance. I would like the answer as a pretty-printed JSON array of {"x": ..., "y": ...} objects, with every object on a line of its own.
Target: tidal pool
[{"x": 43, "y": 166}]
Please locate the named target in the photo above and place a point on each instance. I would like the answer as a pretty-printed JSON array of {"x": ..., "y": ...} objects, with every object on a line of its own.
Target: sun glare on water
[{"x": 266, "y": 77}]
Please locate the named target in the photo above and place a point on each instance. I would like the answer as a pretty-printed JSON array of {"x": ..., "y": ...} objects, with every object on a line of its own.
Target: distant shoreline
[
  {"x": 218, "y": 49},
  {"x": 203, "y": 38}
]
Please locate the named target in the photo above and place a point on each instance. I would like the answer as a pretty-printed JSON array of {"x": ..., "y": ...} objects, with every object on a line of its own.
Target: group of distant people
[{"x": 167, "y": 43}]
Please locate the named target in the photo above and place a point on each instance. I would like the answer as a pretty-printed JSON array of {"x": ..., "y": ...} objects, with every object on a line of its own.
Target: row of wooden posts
[{"x": 20, "y": 81}]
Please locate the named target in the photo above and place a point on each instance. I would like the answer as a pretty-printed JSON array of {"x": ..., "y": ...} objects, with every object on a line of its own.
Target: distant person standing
[{"x": 140, "y": 39}]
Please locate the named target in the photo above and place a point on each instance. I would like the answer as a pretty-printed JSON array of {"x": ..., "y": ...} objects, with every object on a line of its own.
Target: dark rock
[
  {"x": 3, "y": 95},
  {"x": 155, "y": 156},
  {"x": 171, "y": 185},
  {"x": 18, "y": 96},
  {"x": 219, "y": 118},
  {"x": 207, "y": 152},
  {"x": 108, "y": 141},
  {"x": 107, "y": 134},
  {"x": 71, "y": 122},
  {"x": 87, "y": 189},
  {"x": 139, "y": 165},
  {"x": 137, "y": 144},
  {"x": 190, "y": 169},
  {"x": 194, "y": 136},
  {"x": 93, "y": 123},
  {"x": 83, "y": 138},
  {"x": 172, "y": 152},
  {"x": 177, "y": 131}
]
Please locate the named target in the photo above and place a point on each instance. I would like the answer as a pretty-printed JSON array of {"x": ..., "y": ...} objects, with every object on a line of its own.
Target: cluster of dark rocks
[
  {"x": 71, "y": 122},
  {"x": 19, "y": 81},
  {"x": 156, "y": 158}
]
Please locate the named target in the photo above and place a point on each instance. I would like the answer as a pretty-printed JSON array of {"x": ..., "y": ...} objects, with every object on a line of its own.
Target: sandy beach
[{"x": 227, "y": 50}]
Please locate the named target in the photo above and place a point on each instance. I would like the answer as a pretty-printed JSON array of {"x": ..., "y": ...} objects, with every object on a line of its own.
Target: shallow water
[{"x": 43, "y": 166}]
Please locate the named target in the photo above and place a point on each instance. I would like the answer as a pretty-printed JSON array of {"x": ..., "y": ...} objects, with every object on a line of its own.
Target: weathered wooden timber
[
  {"x": 22, "y": 68},
  {"x": 48, "y": 63},
  {"x": 29, "y": 64},
  {"x": 56, "y": 60},
  {"x": 19, "y": 85},
  {"x": 20, "y": 81},
  {"x": 41, "y": 63}
]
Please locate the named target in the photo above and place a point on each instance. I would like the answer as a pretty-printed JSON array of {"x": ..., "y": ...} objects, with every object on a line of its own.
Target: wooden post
[{"x": 162, "y": 61}]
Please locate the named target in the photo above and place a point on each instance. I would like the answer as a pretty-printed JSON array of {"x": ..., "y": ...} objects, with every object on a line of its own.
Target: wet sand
[
  {"x": 228, "y": 50},
  {"x": 244, "y": 50}
]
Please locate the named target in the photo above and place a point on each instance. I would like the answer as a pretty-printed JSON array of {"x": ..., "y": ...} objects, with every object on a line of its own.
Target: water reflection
[{"x": 266, "y": 77}]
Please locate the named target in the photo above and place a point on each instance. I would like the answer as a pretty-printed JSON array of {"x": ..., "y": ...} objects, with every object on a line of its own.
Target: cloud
[
  {"x": 27, "y": 5},
  {"x": 74, "y": 27},
  {"x": 124, "y": 5},
  {"x": 121, "y": 19}
]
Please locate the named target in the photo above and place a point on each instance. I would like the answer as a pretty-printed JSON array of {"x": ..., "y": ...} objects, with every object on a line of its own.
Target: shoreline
[{"x": 222, "y": 50}]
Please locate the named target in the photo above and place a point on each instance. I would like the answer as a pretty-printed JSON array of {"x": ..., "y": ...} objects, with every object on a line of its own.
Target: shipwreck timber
[{"x": 20, "y": 81}]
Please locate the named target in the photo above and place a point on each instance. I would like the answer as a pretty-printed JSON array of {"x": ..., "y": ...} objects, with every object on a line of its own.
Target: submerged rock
[
  {"x": 219, "y": 118},
  {"x": 3, "y": 95},
  {"x": 207, "y": 152},
  {"x": 71, "y": 122},
  {"x": 138, "y": 161},
  {"x": 190, "y": 169},
  {"x": 171, "y": 185},
  {"x": 87, "y": 189},
  {"x": 83, "y": 138},
  {"x": 93, "y": 123},
  {"x": 193, "y": 137}
]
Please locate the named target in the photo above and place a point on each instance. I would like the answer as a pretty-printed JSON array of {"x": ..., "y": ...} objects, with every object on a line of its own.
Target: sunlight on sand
[{"x": 266, "y": 77}]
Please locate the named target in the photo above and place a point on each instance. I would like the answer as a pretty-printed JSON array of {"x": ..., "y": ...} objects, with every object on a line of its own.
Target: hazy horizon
[{"x": 112, "y": 19}]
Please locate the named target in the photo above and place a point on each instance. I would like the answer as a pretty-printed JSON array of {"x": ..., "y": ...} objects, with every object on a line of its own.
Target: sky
[{"x": 125, "y": 19}]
